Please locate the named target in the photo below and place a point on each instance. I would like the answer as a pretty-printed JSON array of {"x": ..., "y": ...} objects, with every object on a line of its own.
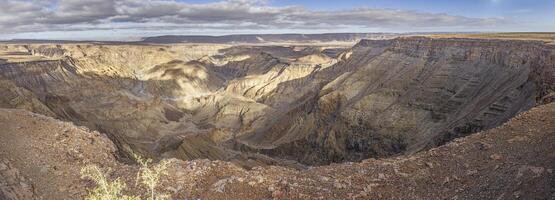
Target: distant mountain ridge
[
  {"x": 265, "y": 38},
  {"x": 243, "y": 38}
]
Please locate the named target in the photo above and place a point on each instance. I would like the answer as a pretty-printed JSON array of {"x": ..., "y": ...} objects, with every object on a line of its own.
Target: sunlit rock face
[
  {"x": 313, "y": 104},
  {"x": 405, "y": 95}
]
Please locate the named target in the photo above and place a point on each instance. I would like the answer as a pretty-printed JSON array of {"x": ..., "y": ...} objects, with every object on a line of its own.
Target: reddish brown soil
[{"x": 40, "y": 158}]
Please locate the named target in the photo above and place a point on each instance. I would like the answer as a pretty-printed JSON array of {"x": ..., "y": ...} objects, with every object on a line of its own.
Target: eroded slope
[
  {"x": 404, "y": 95},
  {"x": 42, "y": 158}
]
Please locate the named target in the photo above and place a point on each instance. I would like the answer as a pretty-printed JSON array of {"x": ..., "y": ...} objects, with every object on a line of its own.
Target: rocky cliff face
[
  {"x": 405, "y": 95},
  {"x": 313, "y": 104}
]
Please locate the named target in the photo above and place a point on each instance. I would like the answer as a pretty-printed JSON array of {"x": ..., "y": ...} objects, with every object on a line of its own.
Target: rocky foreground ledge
[{"x": 40, "y": 158}]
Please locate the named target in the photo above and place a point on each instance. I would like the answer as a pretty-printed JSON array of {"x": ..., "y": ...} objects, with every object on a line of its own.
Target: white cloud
[{"x": 19, "y": 16}]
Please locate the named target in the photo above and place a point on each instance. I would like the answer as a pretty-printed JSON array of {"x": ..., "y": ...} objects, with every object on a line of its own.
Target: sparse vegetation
[
  {"x": 148, "y": 176},
  {"x": 105, "y": 189}
]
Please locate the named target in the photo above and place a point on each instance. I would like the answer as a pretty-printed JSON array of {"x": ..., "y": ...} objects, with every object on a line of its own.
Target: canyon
[{"x": 291, "y": 110}]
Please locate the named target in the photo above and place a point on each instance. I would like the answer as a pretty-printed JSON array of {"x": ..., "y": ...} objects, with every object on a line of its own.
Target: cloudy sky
[{"x": 134, "y": 19}]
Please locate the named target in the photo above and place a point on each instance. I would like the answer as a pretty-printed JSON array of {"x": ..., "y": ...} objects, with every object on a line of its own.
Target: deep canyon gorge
[{"x": 287, "y": 107}]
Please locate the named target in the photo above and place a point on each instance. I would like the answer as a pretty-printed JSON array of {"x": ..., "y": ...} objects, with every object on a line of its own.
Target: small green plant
[
  {"x": 105, "y": 189},
  {"x": 149, "y": 176}
]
